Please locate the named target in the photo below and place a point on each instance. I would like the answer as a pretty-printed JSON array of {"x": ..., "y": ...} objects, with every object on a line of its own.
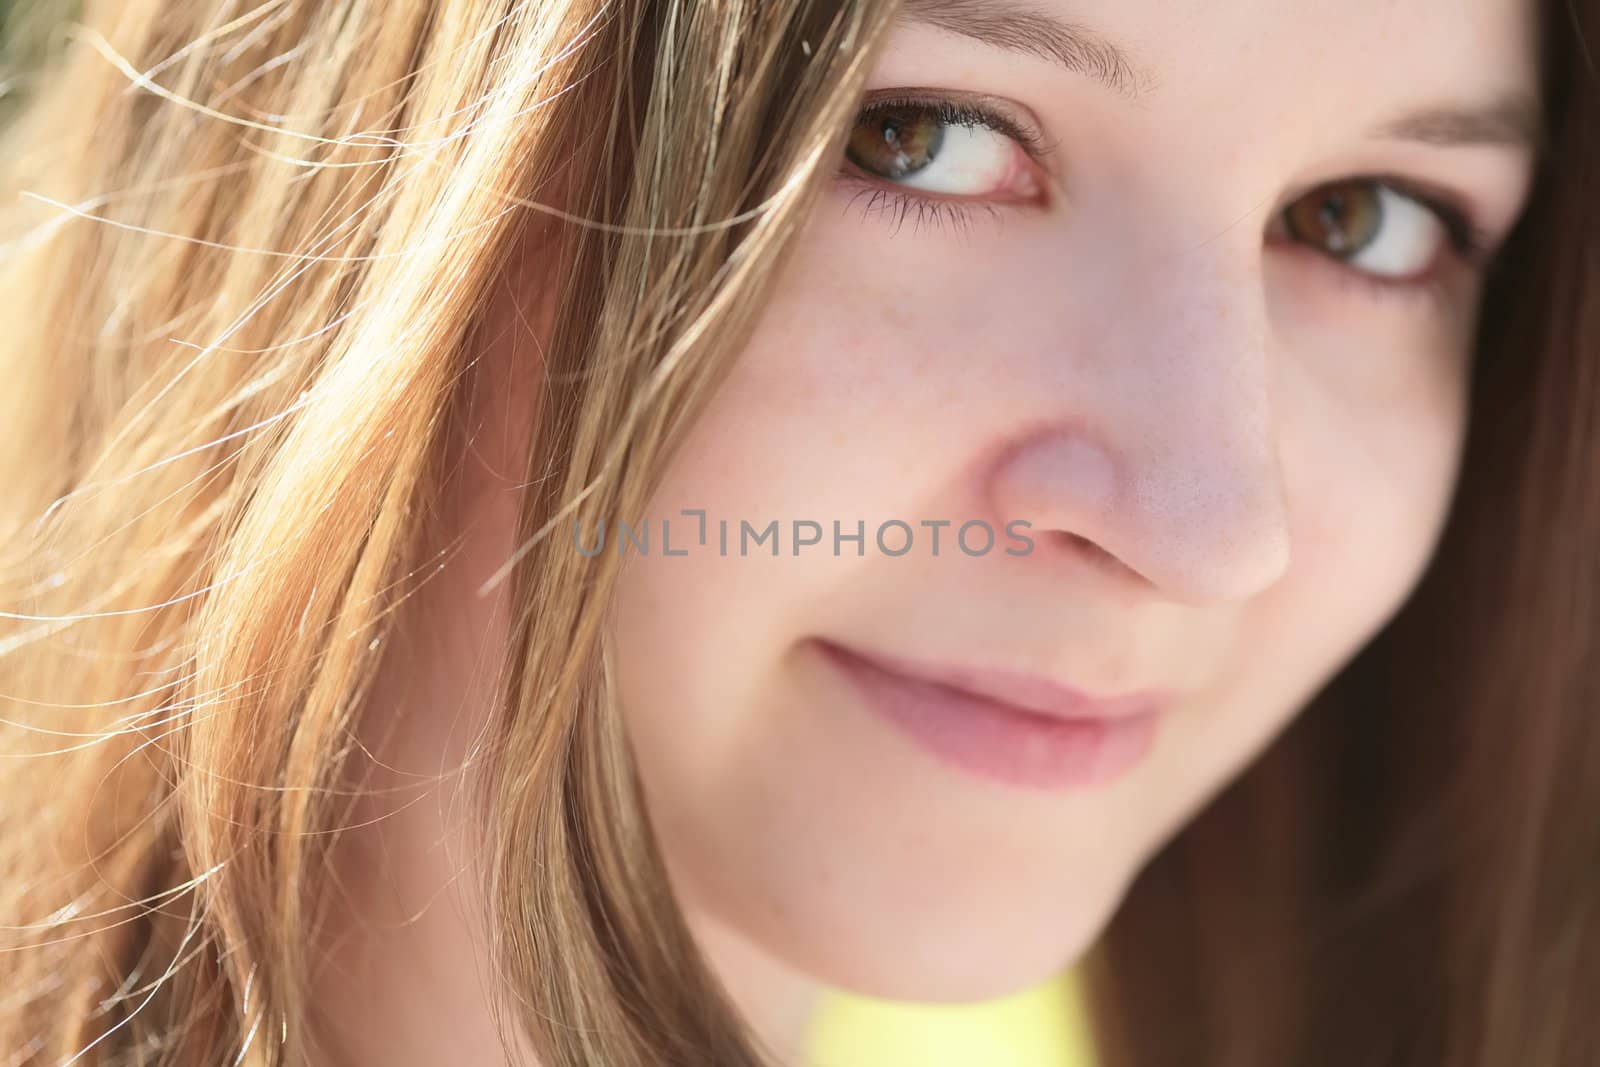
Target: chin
[{"x": 954, "y": 942}]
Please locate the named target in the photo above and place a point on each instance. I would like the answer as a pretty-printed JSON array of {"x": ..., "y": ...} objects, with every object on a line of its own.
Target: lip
[{"x": 1021, "y": 730}]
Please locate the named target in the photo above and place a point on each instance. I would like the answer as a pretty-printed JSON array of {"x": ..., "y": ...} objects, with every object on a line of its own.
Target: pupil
[
  {"x": 1333, "y": 210},
  {"x": 1332, "y": 216}
]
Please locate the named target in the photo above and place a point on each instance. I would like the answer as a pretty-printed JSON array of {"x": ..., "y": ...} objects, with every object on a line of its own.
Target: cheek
[
  {"x": 1370, "y": 485},
  {"x": 802, "y": 429},
  {"x": 759, "y": 806},
  {"x": 1376, "y": 470}
]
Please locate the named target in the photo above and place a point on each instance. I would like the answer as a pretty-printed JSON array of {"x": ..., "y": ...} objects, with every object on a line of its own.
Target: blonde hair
[{"x": 252, "y": 250}]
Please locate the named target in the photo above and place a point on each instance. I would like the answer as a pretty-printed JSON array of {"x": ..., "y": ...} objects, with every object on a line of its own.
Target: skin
[{"x": 1236, "y": 457}]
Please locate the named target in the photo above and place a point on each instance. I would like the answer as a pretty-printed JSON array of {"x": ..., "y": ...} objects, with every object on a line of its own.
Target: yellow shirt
[{"x": 1046, "y": 1026}]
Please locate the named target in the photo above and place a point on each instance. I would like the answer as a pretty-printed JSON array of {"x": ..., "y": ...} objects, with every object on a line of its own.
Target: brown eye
[
  {"x": 1370, "y": 225},
  {"x": 940, "y": 147},
  {"x": 1342, "y": 219},
  {"x": 892, "y": 142}
]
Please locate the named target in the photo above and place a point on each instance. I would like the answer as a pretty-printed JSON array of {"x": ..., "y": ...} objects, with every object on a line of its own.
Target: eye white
[
  {"x": 970, "y": 161},
  {"x": 1409, "y": 237}
]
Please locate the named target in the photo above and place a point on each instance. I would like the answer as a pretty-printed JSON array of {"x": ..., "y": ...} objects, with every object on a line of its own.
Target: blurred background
[{"x": 30, "y": 30}]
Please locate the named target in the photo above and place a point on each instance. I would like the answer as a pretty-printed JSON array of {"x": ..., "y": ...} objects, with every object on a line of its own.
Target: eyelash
[{"x": 1469, "y": 242}]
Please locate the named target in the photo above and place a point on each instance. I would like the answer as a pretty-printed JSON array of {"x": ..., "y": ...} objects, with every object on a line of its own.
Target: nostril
[
  {"x": 1077, "y": 542},
  {"x": 1071, "y": 542}
]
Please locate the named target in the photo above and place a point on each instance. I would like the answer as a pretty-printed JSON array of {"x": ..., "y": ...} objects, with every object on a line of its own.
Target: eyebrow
[
  {"x": 1015, "y": 28},
  {"x": 1512, "y": 119}
]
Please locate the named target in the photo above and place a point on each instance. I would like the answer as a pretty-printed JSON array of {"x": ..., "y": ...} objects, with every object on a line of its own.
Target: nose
[{"x": 1162, "y": 462}]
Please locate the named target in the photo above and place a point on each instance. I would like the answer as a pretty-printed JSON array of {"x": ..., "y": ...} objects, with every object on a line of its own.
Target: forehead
[
  {"x": 1416, "y": 45},
  {"x": 1254, "y": 60}
]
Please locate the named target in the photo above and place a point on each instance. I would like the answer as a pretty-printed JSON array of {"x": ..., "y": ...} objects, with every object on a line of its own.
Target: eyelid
[
  {"x": 931, "y": 209},
  {"x": 961, "y": 107},
  {"x": 1469, "y": 246},
  {"x": 1471, "y": 241}
]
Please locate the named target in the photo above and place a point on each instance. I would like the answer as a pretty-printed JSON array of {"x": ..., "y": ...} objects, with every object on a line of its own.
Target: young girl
[{"x": 580, "y": 533}]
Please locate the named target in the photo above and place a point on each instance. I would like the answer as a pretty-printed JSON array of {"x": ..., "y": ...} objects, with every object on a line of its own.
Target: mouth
[{"x": 1019, "y": 730}]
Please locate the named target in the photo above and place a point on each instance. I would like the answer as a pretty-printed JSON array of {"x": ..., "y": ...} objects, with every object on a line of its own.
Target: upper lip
[{"x": 1034, "y": 693}]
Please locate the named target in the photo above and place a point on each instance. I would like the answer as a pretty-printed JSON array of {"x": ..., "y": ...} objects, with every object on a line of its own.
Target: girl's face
[{"x": 1134, "y": 340}]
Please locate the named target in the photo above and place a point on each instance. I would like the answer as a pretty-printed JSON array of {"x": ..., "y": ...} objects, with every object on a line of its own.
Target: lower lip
[{"x": 997, "y": 741}]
